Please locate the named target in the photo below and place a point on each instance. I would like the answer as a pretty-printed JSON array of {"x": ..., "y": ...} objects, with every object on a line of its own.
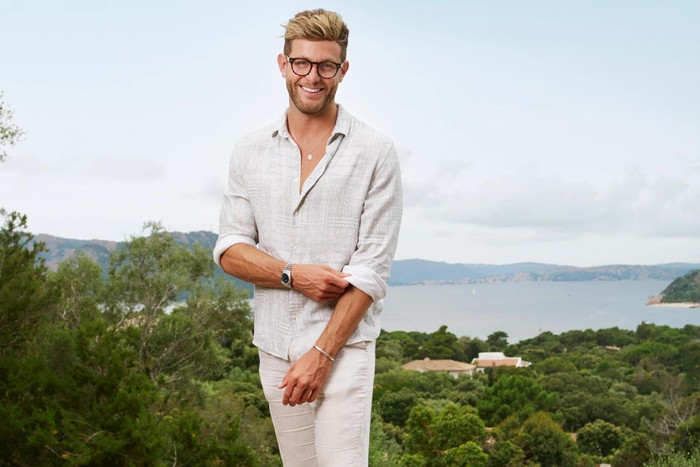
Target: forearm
[
  {"x": 252, "y": 265},
  {"x": 349, "y": 311},
  {"x": 317, "y": 281}
]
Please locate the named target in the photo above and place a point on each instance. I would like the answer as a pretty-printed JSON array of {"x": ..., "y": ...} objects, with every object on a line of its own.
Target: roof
[
  {"x": 438, "y": 365},
  {"x": 486, "y": 362}
]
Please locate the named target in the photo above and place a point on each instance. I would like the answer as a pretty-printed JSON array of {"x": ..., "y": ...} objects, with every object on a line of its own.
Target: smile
[{"x": 311, "y": 90}]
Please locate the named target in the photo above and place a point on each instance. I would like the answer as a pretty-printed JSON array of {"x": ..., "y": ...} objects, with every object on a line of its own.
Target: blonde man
[{"x": 311, "y": 216}]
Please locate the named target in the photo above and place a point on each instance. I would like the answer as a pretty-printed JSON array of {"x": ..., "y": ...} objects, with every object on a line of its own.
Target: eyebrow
[{"x": 301, "y": 57}]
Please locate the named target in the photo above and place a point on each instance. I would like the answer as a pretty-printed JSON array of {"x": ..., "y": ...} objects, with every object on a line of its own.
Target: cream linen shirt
[{"x": 346, "y": 216}]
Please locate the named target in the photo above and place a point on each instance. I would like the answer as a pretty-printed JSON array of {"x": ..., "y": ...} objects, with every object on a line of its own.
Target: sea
[{"x": 525, "y": 309}]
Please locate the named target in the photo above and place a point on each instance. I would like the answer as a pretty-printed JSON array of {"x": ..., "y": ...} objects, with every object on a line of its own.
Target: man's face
[{"x": 312, "y": 94}]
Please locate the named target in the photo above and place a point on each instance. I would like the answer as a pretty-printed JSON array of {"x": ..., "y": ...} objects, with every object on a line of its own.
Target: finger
[
  {"x": 338, "y": 282},
  {"x": 283, "y": 384},
  {"x": 311, "y": 396},
  {"x": 287, "y": 395},
  {"x": 297, "y": 396}
]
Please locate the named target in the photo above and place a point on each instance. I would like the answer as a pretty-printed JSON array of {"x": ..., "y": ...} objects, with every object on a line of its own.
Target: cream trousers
[{"x": 334, "y": 429}]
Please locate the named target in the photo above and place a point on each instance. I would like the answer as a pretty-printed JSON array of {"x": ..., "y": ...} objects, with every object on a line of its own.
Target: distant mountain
[
  {"x": 409, "y": 271},
  {"x": 422, "y": 272}
]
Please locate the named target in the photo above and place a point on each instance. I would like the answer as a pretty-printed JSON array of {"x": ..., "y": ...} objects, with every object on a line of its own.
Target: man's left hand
[{"x": 305, "y": 378}]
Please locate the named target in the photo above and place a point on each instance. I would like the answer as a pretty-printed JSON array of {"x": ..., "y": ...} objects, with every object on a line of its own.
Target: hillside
[
  {"x": 685, "y": 289},
  {"x": 409, "y": 271}
]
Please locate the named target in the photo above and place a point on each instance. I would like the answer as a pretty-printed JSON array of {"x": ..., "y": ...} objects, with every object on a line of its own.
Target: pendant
[{"x": 309, "y": 157}]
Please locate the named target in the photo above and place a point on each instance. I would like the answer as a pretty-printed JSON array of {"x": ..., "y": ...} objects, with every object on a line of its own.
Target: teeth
[{"x": 310, "y": 89}]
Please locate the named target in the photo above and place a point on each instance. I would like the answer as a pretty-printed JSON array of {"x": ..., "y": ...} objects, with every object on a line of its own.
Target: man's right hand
[{"x": 319, "y": 282}]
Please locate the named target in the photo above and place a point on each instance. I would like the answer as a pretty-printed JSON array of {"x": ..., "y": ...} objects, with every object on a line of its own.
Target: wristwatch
[{"x": 286, "y": 276}]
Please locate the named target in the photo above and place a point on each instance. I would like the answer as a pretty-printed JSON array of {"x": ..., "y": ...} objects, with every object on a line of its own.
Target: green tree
[
  {"x": 25, "y": 299},
  {"x": 440, "y": 345},
  {"x": 468, "y": 454},
  {"x": 384, "y": 451},
  {"x": 456, "y": 430},
  {"x": 544, "y": 442},
  {"x": 395, "y": 406},
  {"x": 165, "y": 292},
  {"x": 497, "y": 341},
  {"x": 10, "y": 133},
  {"x": 513, "y": 395},
  {"x": 599, "y": 438}
]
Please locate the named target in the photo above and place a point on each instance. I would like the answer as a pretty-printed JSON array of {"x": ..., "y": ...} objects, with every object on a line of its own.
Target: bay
[{"x": 525, "y": 309}]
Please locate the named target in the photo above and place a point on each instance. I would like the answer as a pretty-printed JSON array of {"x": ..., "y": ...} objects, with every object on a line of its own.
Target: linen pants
[{"x": 334, "y": 429}]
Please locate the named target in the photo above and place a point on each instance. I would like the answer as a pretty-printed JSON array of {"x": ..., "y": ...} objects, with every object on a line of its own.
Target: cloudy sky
[{"x": 546, "y": 130}]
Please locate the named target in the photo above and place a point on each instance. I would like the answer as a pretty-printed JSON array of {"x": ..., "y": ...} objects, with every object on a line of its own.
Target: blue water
[{"x": 525, "y": 309}]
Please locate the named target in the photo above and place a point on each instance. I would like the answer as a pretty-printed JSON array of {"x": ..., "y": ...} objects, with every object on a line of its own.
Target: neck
[{"x": 301, "y": 123}]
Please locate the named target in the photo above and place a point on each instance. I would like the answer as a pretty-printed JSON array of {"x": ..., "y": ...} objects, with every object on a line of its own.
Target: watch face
[{"x": 285, "y": 278}]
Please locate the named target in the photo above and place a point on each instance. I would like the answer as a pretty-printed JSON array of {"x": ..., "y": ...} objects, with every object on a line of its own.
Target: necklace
[{"x": 325, "y": 137}]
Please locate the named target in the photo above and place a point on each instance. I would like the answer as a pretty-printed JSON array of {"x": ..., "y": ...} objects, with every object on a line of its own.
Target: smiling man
[{"x": 311, "y": 216}]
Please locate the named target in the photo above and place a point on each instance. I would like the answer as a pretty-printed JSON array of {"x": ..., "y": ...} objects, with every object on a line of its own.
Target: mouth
[{"x": 311, "y": 90}]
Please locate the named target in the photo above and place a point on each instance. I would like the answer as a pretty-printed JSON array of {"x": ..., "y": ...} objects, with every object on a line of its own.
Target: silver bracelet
[{"x": 324, "y": 353}]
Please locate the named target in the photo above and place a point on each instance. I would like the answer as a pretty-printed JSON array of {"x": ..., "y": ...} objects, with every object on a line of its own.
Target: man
[{"x": 311, "y": 216}]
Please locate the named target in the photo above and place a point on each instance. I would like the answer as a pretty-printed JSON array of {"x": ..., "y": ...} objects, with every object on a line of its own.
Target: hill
[
  {"x": 408, "y": 271},
  {"x": 685, "y": 289}
]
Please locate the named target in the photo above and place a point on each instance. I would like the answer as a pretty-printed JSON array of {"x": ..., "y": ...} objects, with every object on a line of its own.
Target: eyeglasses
[{"x": 302, "y": 67}]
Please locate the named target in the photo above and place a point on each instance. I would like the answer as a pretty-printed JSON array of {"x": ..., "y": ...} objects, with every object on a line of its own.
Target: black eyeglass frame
[{"x": 292, "y": 60}]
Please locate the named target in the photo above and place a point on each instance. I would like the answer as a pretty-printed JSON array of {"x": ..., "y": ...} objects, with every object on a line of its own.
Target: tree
[
  {"x": 513, "y": 395},
  {"x": 164, "y": 291},
  {"x": 10, "y": 133},
  {"x": 395, "y": 406},
  {"x": 25, "y": 299},
  {"x": 544, "y": 441},
  {"x": 440, "y": 345},
  {"x": 599, "y": 438},
  {"x": 497, "y": 341},
  {"x": 451, "y": 436}
]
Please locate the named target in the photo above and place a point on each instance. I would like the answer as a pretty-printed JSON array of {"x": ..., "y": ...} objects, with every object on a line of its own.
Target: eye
[
  {"x": 301, "y": 64},
  {"x": 327, "y": 67}
]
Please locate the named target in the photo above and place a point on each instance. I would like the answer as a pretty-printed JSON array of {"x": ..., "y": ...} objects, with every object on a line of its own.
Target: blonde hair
[{"x": 317, "y": 25}]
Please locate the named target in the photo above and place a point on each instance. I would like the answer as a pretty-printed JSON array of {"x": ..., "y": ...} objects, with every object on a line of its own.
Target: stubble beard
[{"x": 306, "y": 107}]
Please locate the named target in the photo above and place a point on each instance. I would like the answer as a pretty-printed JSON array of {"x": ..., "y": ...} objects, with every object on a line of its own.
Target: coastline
[{"x": 675, "y": 305}]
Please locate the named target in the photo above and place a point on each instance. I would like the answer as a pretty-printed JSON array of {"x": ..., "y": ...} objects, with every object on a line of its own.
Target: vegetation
[
  {"x": 150, "y": 363},
  {"x": 10, "y": 133},
  {"x": 685, "y": 289}
]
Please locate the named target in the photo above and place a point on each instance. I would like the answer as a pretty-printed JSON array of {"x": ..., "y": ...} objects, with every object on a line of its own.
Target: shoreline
[{"x": 675, "y": 305}]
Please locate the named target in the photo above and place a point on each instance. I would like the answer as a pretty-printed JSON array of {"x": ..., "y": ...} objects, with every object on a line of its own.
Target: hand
[
  {"x": 305, "y": 378},
  {"x": 319, "y": 282}
]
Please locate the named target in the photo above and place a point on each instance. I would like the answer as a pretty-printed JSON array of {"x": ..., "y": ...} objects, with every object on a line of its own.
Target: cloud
[
  {"x": 127, "y": 168},
  {"x": 121, "y": 168},
  {"x": 635, "y": 203},
  {"x": 212, "y": 190}
]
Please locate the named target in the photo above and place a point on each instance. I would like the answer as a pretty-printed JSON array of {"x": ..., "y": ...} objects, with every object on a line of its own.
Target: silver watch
[{"x": 286, "y": 276}]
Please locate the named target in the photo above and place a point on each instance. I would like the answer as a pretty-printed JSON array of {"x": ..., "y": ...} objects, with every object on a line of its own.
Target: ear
[
  {"x": 344, "y": 69},
  {"x": 282, "y": 64}
]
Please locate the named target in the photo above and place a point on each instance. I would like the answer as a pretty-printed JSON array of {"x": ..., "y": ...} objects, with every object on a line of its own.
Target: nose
[{"x": 313, "y": 73}]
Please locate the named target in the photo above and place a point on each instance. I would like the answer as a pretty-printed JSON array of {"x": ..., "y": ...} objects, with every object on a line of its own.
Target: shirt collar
[{"x": 342, "y": 124}]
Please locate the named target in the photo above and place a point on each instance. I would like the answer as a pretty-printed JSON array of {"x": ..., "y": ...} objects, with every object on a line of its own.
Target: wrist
[
  {"x": 286, "y": 276},
  {"x": 324, "y": 353}
]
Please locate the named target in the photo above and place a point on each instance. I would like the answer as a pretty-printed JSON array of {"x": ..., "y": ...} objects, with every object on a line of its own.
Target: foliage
[
  {"x": 676, "y": 459},
  {"x": 451, "y": 436},
  {"x": 10, "y": 133},
  {"x": 517, "y": 395},
  {"x": 25, "y": 298},
  {"x": 683, "y": 289},
  {"x": 544, "y": 442},
  {"x": 129, "y": 369},
  {"x": 599, "y": 438},
  {"x": 151, "y": 363}
]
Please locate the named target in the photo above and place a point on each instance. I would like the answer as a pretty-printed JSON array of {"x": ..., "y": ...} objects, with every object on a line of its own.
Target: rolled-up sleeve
[
  {"x": 370, "y": 265},
  {"x": 236, "y": 219}
]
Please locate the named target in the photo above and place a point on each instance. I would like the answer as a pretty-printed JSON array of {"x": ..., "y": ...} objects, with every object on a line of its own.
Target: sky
[{"x": 551, "y": 131}]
